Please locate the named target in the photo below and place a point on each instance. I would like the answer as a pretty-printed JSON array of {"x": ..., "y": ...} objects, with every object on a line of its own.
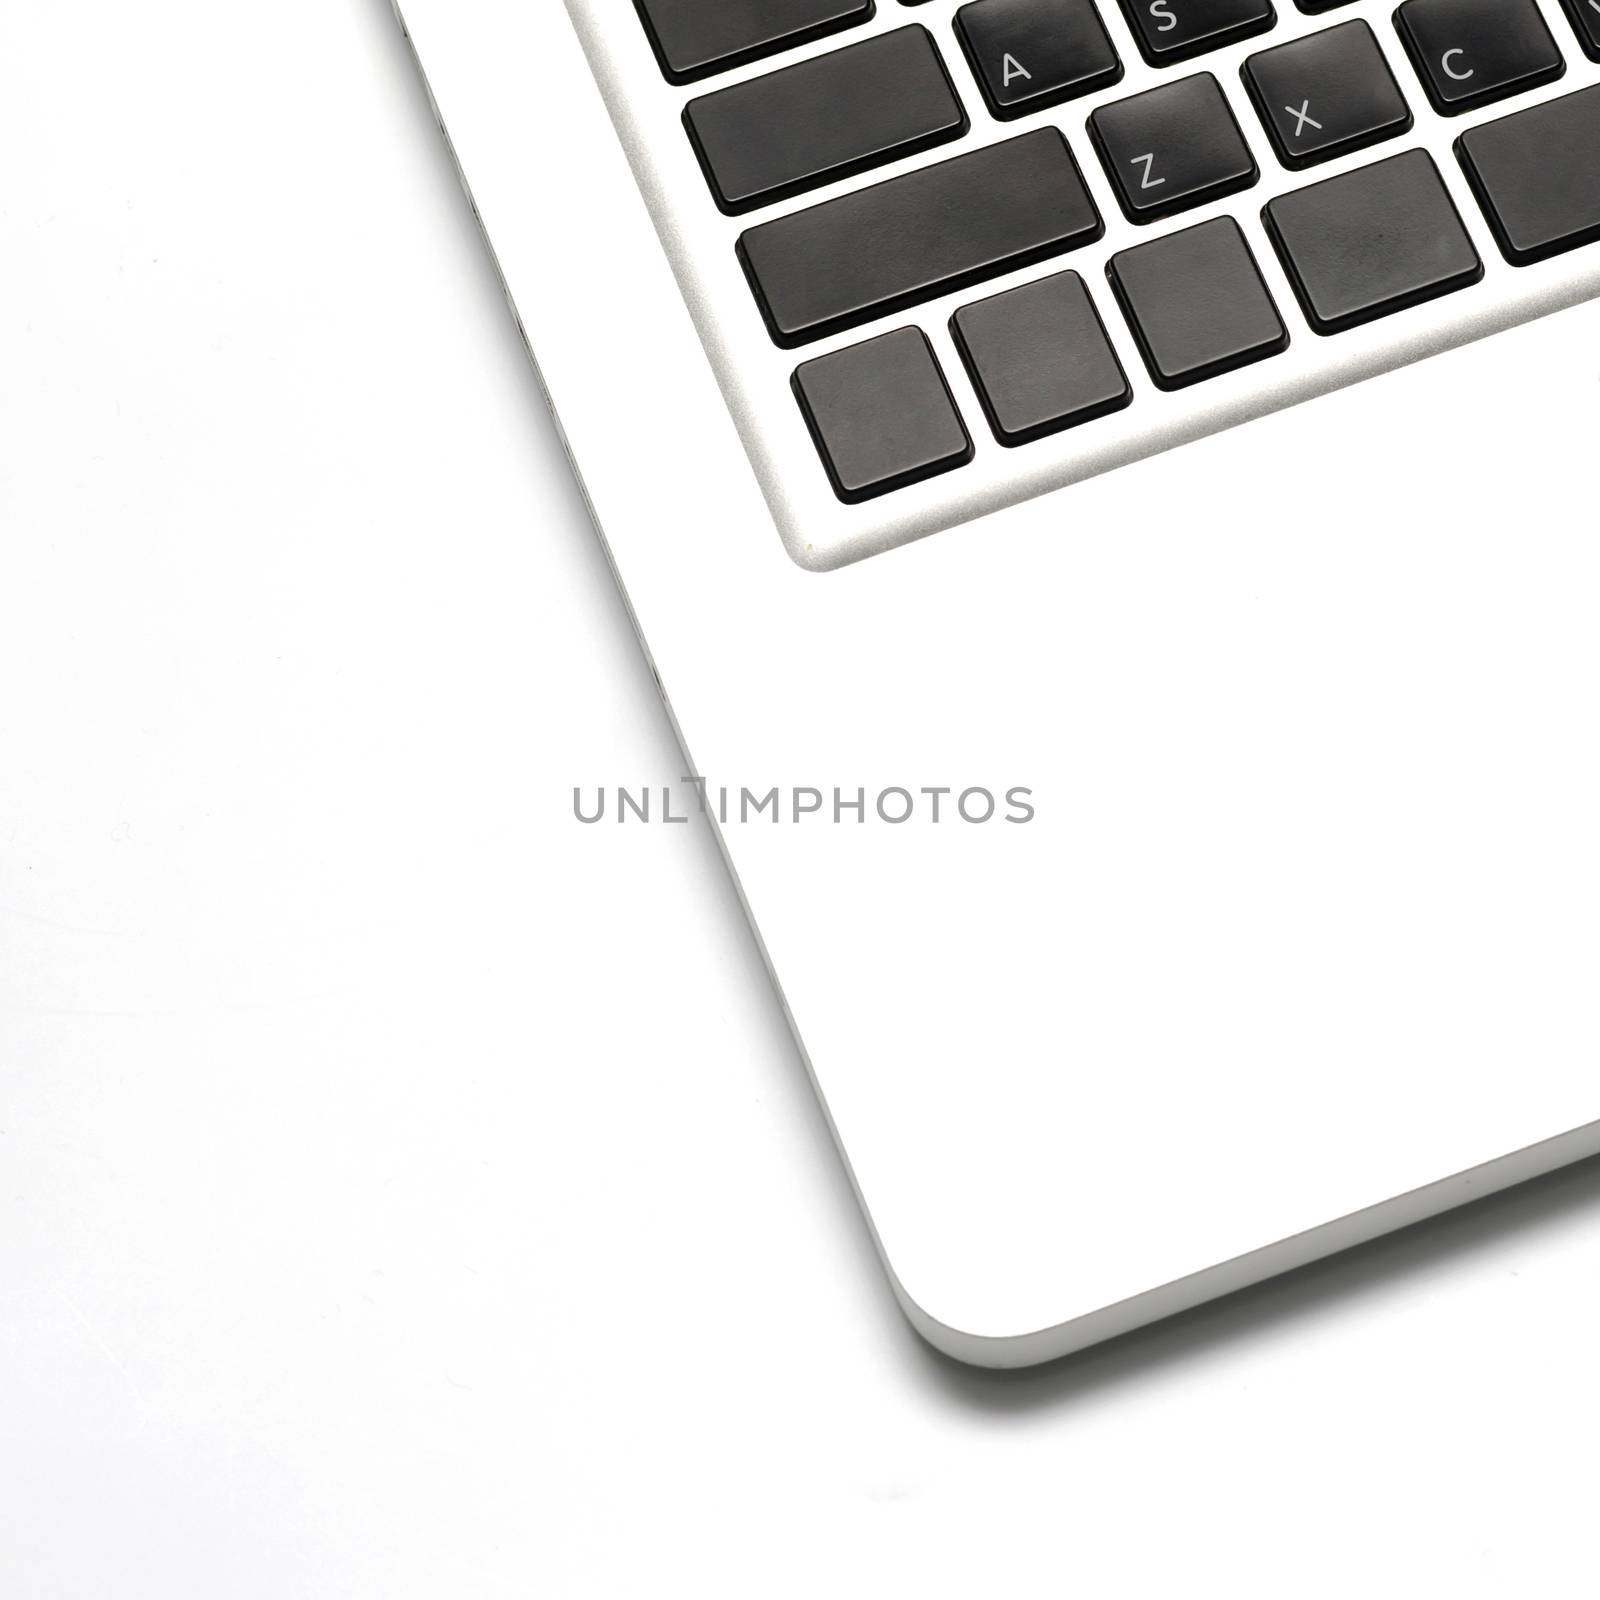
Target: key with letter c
[{"x": 1470, "y": 53}]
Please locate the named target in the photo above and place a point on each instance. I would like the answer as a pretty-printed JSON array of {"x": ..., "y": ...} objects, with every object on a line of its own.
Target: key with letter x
[
  {"x": 1326, "y": 94},
  {"x": 1303, "y": 118}
]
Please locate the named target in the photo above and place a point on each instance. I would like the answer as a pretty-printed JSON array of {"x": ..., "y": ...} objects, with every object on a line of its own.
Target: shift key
[
  {"x": 824, "y": 119},
  {"x": 917, "y": 236}
]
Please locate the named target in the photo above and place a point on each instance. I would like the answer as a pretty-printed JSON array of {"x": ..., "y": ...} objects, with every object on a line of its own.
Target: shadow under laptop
[{"x": 1570, "y": 1194}]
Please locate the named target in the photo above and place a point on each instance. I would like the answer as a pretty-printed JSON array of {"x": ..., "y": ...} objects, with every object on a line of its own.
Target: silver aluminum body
[{"x": 1301, "y": 945}]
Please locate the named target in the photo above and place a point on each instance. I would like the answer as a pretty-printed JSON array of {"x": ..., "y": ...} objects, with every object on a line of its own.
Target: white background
[{"x": 405, "y": 1191}]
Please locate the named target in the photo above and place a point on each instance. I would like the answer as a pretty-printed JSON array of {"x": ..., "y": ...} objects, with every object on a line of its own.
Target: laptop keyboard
[{"x": 909, "y": 182}]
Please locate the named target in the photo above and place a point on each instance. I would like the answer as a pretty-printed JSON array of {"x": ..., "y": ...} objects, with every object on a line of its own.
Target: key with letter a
[{"x": 1027, "y": 54}]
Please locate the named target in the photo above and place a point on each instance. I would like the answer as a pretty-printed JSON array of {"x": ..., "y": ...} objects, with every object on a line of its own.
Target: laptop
[{"x": 1107, "y": 489}]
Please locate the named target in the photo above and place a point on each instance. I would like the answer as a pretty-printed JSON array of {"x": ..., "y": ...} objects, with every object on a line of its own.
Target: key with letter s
[{"x": 1174, "y": 30}]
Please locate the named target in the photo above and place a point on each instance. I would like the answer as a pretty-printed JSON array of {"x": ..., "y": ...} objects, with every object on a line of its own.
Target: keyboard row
[
  {"x": 1356, "y": 247},
  {"x": 1028, "y": 54},
  {"x": 1319, "y": 97},
  {"x": 941, "y": 228}
]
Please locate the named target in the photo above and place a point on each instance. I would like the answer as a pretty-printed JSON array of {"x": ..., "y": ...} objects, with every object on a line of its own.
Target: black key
[
  {"x": 921, "y": 234},
  {"x": 1196, "y": 304},
  {"x": 1372, "y": 242},
  {"x": 1471, "y": 52},
  {"x": 1033, "y": 53},
  {"x": 1536, "y": 174},
  {"x": 1172, "y": 147},
  {"x": 824, "y": 119},
  {"x": 881, "y": 415},
  {"x": 695, "y": 38},
  {"x": 1174, "y": 30},
  {"x": 1585, "y": 18},
  {"x": 1326, "y": 95},
  {"x": 1040, "y": 359},
  {"x": 1314, "y": 8}
]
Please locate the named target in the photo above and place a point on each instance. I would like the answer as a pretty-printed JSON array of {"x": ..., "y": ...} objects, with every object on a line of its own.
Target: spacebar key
[{"x": 923, "y": 234}]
